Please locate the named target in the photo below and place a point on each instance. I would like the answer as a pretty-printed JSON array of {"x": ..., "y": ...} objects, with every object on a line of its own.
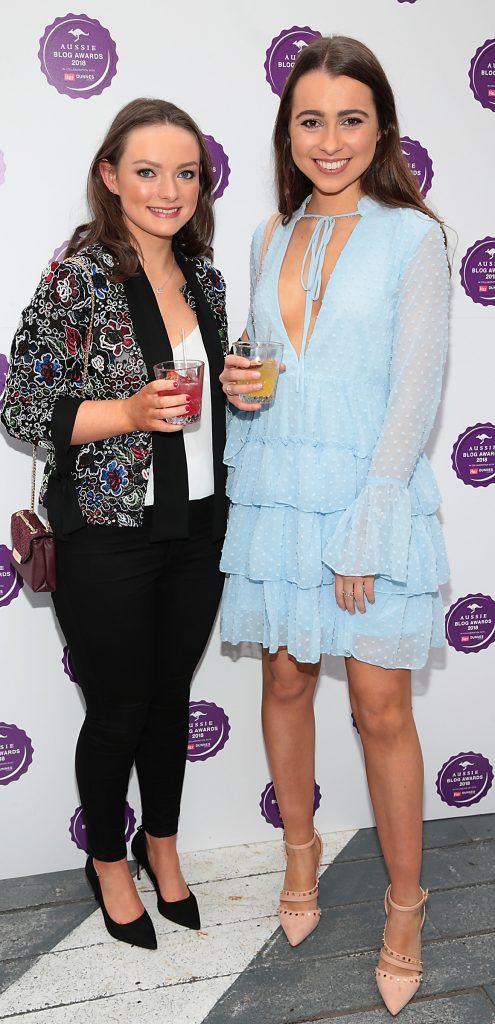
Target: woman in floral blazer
[
  {"x": 108, "y": 478},
  {"x": 137, "y": 503}
]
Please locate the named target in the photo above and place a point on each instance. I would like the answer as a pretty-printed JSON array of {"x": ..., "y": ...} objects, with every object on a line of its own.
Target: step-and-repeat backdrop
[{"x": 64, "y": 76}]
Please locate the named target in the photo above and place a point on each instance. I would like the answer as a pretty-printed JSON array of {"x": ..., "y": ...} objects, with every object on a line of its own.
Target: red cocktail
[{"x": 188, "y": 375}]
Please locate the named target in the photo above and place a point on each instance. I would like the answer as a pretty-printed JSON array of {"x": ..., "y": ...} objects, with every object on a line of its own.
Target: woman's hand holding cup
[
  {"x": 147, "y": 409},
  {"x": 234, "y": 391}
]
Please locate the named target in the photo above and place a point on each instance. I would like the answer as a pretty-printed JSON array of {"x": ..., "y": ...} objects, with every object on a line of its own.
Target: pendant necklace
[{"x": 167, "y": 279}]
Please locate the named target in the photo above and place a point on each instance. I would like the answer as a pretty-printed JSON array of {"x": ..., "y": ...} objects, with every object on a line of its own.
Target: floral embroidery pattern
[
  {"x": 66, "y": 289},
  {"x": 117, "y": 334},
  {"x": 113, "y": 478},
  {"x": 47, "y": 369},
  {"x": 47, "y": 360}
]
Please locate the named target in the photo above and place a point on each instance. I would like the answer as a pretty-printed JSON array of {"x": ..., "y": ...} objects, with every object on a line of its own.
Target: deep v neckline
[{"x": 361, "y": 207}]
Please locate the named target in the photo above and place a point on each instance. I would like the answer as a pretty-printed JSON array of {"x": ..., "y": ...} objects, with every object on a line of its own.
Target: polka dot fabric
[{"x": 332, "y": 478}]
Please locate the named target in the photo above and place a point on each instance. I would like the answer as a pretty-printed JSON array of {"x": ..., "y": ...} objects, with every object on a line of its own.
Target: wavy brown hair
[
  {"x": 388, "y": 178},
  {"x": 107, "y": 226}
]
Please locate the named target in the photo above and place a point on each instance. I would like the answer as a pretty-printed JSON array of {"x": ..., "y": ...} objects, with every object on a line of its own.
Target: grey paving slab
[
  {"x": 30, "y": 932},
  {"x": 33, "y": 890},
  {"x": 490, "y": 989},
  {"x": 357, "y": 881},
  {"x": 466, "y": 1008},
  {"x": 480, "y": 826},
  {"x": 456, "y": 866},
  {"x": 314, "y": 987},
  {"x": 457, "y": 964},
  {"x": 11, "y": 970},
  {"x": 354, "y": 929},
  {"x": 463, "y": 911},
  {"x": 444, "y": 832},
  {"x": 299, "y": 991},
  {"x": 441, "y": 832},
  {"x": 353, "y": 882},
  {"x": 363, "y": 844}
]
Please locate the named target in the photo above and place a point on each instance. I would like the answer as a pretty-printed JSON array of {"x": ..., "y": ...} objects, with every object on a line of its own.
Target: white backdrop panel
[{"x": 210, "y": 60}]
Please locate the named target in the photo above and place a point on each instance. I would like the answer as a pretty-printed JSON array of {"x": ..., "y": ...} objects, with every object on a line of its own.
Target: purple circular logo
[
  {"x": 2, "y": 168},
  {"x": 78, "y": 56},
  {"x": 4, "y": 369},
  {"x": 420, "y": 163},
  {"x": 269, "y": 806},
  {"x": 464, "y": 779},
  {"x": 77, "y": 827},
  {"x": 221, "y": 169},
  {"x": 68, "y": 665},
  {"x": 473, "y": 455},
  {"x": 10, "y": 581},
  {"x": 59, "y": 252},
  {"x": 470, "y": 623},
  {"x": 478, "y": 271},
  {"x": 283, "y": 52},
  {"x": 482, "y": 74},
  {"x": 209, "y": 730},
  {"x": 16, "y": 753},
  {"x": 407, "y": 1}
]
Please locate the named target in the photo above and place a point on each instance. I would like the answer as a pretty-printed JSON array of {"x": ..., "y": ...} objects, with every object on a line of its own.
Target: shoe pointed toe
[
  {"x": 396, "y": 992},
  {"x": 297, "y": 927},
  {"x": 145, "y": 932},
  {"x": 182, "y": 912}
]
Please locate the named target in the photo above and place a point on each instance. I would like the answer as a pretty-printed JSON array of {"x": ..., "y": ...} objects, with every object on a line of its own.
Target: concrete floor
[{"x": 58, "y": 963}]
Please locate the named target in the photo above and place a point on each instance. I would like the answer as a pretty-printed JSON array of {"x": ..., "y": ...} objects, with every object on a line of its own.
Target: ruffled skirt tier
[{"x": 304, "y": 509}]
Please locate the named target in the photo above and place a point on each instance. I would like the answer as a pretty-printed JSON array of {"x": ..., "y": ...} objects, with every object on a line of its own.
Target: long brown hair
[
  {"x": 388, "y": 178},
  {"x": 107, "y": 226}
]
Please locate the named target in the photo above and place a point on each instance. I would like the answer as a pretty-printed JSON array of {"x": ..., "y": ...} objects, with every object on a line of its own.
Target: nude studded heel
[
  {"x": 298, "y": 924},
  {"x": 397, "y": 991}
]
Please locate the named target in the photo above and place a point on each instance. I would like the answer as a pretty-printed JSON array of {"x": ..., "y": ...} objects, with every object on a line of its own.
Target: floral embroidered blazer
[{"x": 104, "y": 482}]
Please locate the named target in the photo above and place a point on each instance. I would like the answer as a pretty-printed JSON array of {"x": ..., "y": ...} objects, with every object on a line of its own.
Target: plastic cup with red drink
[{"x": 188, "y": 374}]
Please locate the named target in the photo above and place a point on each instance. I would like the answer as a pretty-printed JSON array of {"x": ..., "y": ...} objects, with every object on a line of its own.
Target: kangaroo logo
[
  {"x": 198, "y": 714},
  {"x": 299, "y": 43},
  {"x": 490, "y": 253},
  {"x": 473, "y": 607},
  {"x": 466, "y": 764},
  {"x": 77, "y": 33},
  {"x": 483, "y": 437}
]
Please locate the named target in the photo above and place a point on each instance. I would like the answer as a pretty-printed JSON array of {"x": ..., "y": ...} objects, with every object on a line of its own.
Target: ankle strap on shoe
[
  {"x": 302, "y": 846},
  {"x": 396, "y": 906}
]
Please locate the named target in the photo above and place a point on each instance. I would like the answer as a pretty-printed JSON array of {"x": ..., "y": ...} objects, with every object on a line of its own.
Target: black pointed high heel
[
  {"x": 184, "y": 912},
  {"x": 137, "y": 933}
]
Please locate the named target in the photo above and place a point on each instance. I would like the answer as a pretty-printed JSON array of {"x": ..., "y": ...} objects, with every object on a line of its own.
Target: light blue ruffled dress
[{"x": 332, "y": 478}]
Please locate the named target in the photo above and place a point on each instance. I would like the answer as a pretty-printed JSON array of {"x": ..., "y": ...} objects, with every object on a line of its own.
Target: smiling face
[
  {"x": 333, "y": 131},
  {"x": 157, "y": 180}
]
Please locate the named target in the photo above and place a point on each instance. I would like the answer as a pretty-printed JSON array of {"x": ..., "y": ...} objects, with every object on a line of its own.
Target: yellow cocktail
[{"x": 264, "y": 357}]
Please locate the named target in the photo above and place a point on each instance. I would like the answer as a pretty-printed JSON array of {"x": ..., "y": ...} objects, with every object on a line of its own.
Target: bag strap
[
  {"x": 87, "y": 346},
  {"x": 271, "y": 226}
]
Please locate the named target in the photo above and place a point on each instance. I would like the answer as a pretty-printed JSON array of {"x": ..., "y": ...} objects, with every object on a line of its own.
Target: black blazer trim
[{"x": 171, "y": 488}]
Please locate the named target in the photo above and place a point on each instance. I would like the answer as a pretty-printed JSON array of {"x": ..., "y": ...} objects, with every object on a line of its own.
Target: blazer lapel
[
  {"x": 214, "y": 352},
  {"x": 171, "y": 486}
]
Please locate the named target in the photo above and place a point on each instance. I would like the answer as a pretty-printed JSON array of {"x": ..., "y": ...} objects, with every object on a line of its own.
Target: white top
[{"x": 197, "y": 436}]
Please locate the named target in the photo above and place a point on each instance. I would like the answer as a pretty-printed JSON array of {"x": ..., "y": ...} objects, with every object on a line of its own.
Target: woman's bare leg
[
  {"x": 289, "y": 732},
  {"x": 381, "y": 704}
]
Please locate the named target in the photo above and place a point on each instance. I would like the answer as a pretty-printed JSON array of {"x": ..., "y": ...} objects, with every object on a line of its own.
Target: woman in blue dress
[{"x": 333, "y": 543}]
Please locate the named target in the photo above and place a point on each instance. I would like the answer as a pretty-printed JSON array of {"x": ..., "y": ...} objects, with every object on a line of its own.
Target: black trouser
[{"x": 136, "y": 616}]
